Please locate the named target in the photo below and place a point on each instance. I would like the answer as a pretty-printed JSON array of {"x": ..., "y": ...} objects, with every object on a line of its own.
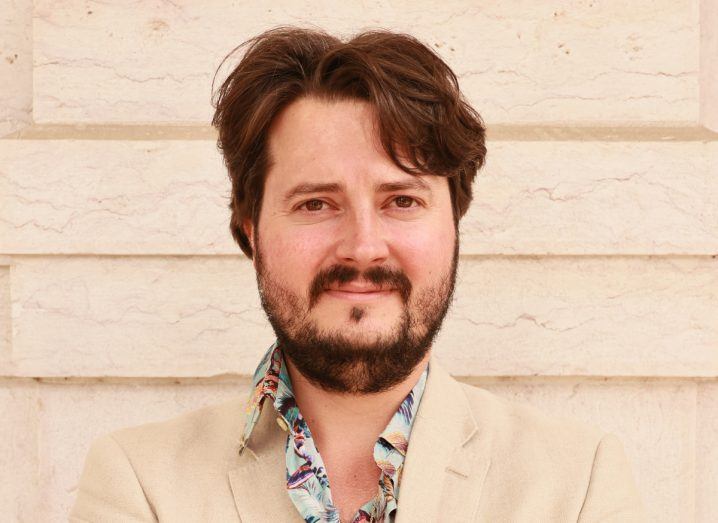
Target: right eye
[{"x": 313, "y": 205}]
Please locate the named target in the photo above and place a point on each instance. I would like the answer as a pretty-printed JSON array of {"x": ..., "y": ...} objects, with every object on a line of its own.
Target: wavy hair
[{"x": 425, "y": 124}]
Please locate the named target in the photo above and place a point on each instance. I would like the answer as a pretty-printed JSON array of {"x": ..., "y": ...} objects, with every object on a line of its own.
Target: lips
[
  {"x": 355, "y": 292},
  {"x": 358, "y": 288}
]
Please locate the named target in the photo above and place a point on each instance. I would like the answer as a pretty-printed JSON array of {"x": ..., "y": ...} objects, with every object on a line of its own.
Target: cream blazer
[{"x": 472, "y": 456}]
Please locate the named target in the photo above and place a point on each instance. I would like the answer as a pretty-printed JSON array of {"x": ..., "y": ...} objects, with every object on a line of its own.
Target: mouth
[{"x": 359, "y": 293}]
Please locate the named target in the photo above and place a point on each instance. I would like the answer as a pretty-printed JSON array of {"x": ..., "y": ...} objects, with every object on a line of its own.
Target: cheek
[
  {"x": 426, "y": 247},
  {"x": 292, "y": 254},
  {"x": 425, "y": 254}
]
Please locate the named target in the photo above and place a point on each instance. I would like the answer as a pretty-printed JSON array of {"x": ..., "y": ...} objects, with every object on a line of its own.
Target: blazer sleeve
[
  {"x": 109, "y": 490},
  {"x": 612, "y": 495}
]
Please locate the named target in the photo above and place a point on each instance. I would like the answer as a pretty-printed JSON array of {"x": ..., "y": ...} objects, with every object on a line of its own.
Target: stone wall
[{"x": 588, "y": 280}]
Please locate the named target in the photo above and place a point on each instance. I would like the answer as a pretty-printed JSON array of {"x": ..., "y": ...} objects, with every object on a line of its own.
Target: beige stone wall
[{"x": 589, "y": 269}]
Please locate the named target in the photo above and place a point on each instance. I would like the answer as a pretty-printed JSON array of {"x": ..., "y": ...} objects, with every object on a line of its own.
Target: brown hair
[{"x": 420, "y": 111}]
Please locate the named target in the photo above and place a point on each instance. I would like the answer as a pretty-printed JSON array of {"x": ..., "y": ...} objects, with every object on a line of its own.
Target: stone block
[
  {"x": 709, "y": 64},
  {"x": 114, "y": 197},
  {"x": 534, "y": 197},
  {"x": 707, "y": 452},
  {"x": 136, "y": 316},
  {"x": 517, "y": 61},
  {"x": 19, "y": 439},
  {"x": 595, "y": 198},
  {"x": 200, "y": 316},
  {"x": 15, "y": 65},
  {"x": 5, "y": 321},
  {"x": 595, "y": 316}
]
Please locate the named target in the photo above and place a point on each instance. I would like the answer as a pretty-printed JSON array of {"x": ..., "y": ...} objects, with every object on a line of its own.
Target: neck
[{"x": 355, "y": 419}]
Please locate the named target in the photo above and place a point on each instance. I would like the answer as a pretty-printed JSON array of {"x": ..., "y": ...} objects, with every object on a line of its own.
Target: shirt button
[{"x": 282, "y": 424}]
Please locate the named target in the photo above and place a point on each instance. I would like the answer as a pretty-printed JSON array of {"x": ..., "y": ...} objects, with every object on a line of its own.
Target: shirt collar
[{"x": 271, "y": 380}]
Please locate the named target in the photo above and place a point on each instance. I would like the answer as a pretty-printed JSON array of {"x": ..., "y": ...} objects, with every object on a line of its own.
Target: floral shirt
[{"x": 307, "y": 482}]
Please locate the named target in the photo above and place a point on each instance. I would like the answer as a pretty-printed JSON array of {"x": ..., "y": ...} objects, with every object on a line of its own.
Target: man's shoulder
[
  {"x": 519, "y": 427},
  {"x": 164, "y": 469},
  {"x": 209, "y": 432},
  {"x": 570, "y": 468}
]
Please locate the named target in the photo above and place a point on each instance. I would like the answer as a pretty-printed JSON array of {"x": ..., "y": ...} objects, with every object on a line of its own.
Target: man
[{"x": 351, "y": 165}]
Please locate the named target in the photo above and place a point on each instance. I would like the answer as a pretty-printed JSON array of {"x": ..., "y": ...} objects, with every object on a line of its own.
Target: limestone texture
[
  {"x": 706, "y": 451},
  {"x": 512, "y": 316},
  {"x": 532, "y": 197},
  {"x": 517, "y": 61},
  {"x": 16, "y": 62}
]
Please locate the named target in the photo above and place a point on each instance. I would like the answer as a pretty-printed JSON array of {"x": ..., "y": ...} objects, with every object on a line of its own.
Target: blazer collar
[
  {"x": 259, "y": 482},
  {"x": 444, "y": 468}
]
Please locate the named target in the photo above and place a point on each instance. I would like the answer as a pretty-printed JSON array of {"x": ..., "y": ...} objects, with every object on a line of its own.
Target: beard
[{"x": 335, "y": 362}]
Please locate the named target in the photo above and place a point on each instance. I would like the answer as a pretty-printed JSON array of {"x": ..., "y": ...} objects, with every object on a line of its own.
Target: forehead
[
  {"x": 329, "y": 141},
  {"x": 310, "y": 125}
]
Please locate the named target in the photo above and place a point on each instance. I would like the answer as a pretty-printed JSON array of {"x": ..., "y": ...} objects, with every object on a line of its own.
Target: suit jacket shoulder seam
[{"x": 134, "y": 471}]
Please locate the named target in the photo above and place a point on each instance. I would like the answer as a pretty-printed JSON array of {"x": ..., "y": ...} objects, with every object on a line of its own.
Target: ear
[{"x": 248, "y": 230}]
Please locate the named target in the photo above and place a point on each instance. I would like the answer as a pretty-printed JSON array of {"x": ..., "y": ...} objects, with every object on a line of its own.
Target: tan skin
[{"x": 376, "y": 214}]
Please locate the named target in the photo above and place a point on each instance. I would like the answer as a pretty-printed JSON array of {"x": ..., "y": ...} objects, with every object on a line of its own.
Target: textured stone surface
[
  {"x": 654, "y": 420},
  {"x": 136, "y": 316},
  {"x": 5, "y": 321},
  {"x": 595, "y": 198},
  {"x": 114, "y": 197},
  {"x": 15, "y": 64},
  {"x": 73, "y": 416},
  {"x": 199, "y": 316},
  {"x": 707, "y": 452},
  {"x": 19, "y": 436},
  {"x": 535, "y": 197},
  {"x": 709, "y": 63},
  {"x": 517, "y": 61},
  {"x": 585, "y": 316}
]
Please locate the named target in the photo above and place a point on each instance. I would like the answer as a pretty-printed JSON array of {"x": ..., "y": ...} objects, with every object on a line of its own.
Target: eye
[
  {"x": 313, "y": 205},
  {"x": 405, "y": 202}
]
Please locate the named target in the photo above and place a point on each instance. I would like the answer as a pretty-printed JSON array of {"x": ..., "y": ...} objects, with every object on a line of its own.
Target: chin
[
  {"x": 366, "y": 332},
  {"x": 368, "y": 320},
  {"x": 359, "y": 313}
]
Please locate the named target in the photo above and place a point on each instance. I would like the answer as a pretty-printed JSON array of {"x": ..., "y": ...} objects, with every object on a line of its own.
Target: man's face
[{"x": 355, "y": 259}]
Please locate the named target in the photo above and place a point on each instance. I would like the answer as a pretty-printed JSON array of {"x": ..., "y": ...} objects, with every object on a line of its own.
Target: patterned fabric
[{"x": 307, "y": 482}]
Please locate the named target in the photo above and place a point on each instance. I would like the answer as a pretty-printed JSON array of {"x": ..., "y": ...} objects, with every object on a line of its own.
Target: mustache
[{"x": 394, "y": 278}]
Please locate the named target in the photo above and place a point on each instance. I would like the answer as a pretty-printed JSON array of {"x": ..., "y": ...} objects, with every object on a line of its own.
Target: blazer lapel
[
  {"x": 448, "y": 456},
  {"x": 259, "y": 482}
]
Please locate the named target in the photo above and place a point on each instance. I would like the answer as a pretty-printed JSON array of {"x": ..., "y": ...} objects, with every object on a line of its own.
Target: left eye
[{"x": 404, "y": 201}]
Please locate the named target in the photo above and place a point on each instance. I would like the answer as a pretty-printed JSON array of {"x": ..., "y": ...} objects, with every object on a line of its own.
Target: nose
[{"x": 363, "y": 239}]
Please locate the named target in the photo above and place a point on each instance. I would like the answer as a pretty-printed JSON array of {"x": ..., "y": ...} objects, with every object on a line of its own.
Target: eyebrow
[
  {"x": 415, "y": 183},
  {"x": 310, "y": 188}
]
